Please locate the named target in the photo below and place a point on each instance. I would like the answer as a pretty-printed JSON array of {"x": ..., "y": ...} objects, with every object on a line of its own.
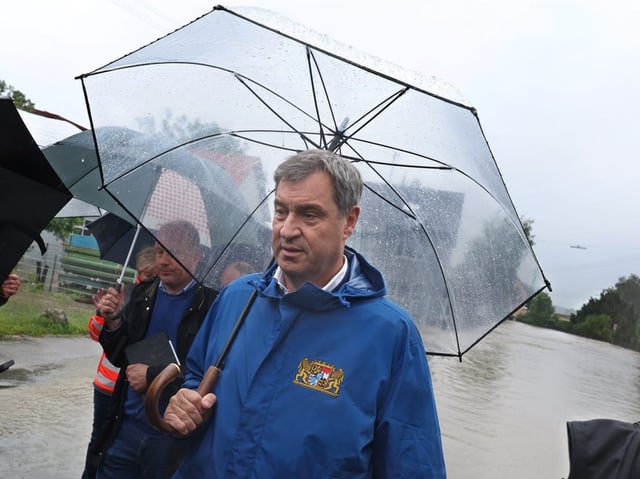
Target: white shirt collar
[{"x": 330, "y": 286}]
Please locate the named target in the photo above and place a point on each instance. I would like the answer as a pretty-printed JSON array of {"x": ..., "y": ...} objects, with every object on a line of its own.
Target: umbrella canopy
[
  {"x": 30, "y": 191},
  {"x": 246, "y": 88},
  {"x": 179, "y": 185},
  {"x": 74, "y": 160},
  {"x": 117, "y": 239},
  {"x": 47, "y": 128},
  {"x": 77, "y": 208}
]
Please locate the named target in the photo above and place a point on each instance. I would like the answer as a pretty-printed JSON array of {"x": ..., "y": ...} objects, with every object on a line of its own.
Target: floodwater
[
  {"x": 503, "y": 410},
  {"x": 46, "y": 406}
]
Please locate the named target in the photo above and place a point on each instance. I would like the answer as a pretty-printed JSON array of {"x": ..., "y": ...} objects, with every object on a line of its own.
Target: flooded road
[
  {"x": 503, "y": 410},
  {"x": 46, "y": 406}
]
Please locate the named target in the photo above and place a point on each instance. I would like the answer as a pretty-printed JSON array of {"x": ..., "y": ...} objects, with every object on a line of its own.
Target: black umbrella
[
  {"x": 119, "y": 240},
  {"x": 244, "y": 89},
  {"x": 31, "y": 193}
]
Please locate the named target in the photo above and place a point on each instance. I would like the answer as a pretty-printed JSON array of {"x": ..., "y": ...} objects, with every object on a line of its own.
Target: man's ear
[{"x": 351, "y": 221}]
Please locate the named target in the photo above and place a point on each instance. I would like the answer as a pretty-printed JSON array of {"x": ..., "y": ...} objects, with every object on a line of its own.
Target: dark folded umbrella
[{"x": 31, "y": 193}]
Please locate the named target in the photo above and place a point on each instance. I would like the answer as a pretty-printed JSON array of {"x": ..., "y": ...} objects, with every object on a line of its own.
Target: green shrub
[{"x": 595, "y": 326}]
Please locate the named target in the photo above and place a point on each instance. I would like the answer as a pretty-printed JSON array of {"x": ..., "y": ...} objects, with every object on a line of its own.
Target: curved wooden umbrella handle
[{"x": 158, "y": 385}]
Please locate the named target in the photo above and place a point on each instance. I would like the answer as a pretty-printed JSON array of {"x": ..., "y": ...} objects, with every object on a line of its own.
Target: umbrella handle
[
  {"x": 158, "y": 385},
  {"x": 172, "y": 371}
]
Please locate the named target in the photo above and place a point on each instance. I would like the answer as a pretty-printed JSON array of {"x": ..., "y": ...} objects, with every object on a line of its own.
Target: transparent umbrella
[{"x": 243, "y": 89}]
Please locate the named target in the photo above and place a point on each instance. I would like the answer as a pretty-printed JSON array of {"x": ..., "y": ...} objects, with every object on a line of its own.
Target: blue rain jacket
[{"x": 316, "y": 385}]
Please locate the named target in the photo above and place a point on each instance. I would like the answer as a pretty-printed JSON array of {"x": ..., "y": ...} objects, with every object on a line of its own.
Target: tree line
[{"x": 613, "y": 317}]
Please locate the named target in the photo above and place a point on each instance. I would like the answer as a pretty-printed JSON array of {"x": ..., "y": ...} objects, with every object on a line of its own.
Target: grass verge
[{"x": 23, "y": 314}]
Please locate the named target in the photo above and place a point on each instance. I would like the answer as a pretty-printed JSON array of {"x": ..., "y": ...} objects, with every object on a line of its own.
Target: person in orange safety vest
[{"x": 107, "y": 374}]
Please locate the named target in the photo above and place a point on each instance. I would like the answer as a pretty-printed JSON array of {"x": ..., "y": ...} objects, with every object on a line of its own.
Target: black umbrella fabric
[
  {"x": 245, "y": 88},
  {"x": 115, "y": 237},
  {"x": 31, "y": 193}
]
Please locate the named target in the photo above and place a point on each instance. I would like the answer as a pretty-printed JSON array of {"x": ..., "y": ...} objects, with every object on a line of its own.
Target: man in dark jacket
[{"x": 174, "y": 304}]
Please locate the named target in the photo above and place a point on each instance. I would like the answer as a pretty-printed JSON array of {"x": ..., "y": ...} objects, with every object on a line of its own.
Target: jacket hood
[{"x": 362, "y": 281}]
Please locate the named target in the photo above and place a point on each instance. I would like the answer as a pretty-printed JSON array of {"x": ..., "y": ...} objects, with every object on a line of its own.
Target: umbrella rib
[
  {"x": 443, "y": 166},
  {"x": 168, "y": 250},
  {"x": 258, "y": 142},
  {"x": 427, "y": 235},
  {"x": 311, "y": 62},
  {"x": 412, "y": 215},
  {"x": 242, "y": 79},
  {"x": 382, "y": 106},
  {"x": 493, "y": 327},
  {"x": 236, "y": 134},
  {"x": 339, "y": 137},
  {"x": 379, "y": 108},
  {"x": 238, "y": 230},
  {"x": 239, "y": 134},
  {"x": 92, "y": 128},
  {"x": 155, "y": 157}
]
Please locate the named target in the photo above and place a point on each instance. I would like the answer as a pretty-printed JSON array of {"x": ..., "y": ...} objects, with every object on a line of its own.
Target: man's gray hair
[{"x": 346, "y": 179}]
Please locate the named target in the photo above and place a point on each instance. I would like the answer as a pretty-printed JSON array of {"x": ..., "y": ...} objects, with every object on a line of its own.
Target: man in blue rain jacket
[{"x": 327, "y": 378}]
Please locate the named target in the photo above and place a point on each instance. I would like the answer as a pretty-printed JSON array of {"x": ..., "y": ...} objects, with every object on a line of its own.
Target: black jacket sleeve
[{"x": 135, "y": 320}]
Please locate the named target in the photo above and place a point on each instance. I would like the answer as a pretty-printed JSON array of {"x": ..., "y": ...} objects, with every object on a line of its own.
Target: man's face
[
  {"x": 172, "y": 274},
  {"x": 308, "y": 232}
]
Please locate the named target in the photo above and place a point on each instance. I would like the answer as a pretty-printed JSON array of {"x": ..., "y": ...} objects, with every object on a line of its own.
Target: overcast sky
[{"x": 555, "y": 82}]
